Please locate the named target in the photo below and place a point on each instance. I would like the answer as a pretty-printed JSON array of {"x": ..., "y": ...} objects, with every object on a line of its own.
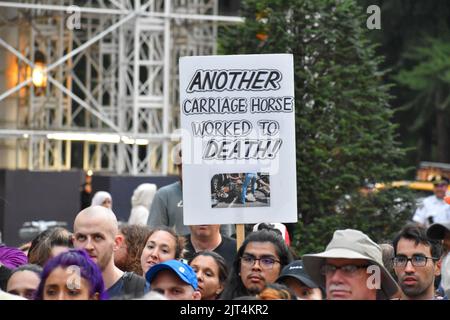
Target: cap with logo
[
  {"x": 297, "y": 271},
  {"x": 182, "y": 270}
]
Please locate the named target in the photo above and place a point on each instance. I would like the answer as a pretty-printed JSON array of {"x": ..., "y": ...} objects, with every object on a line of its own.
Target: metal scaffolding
[{"x": 112, "y": 79}]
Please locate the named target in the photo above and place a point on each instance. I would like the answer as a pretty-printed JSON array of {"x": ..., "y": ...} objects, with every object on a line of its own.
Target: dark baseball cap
[
  {"x": 297, "y": 271},
  {"x": 437, "y": 230},
  {"x": 182, "y": 270},
  {"x": 438, "y": 180}
]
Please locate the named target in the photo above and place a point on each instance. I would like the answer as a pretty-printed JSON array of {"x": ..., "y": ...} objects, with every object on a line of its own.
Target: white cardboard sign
[{"x": 238, "y": 139}]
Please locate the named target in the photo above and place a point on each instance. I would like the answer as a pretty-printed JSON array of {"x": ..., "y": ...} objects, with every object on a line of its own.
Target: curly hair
[{"x": 135, "y": 239}]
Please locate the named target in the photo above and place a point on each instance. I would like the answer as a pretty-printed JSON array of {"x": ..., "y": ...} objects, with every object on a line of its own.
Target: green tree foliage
[
  {"x": 380, "y": 215},
  {"x": 429, "y": 83},
  {"x": 404, "y": 26},
  {"x": 343, "y": 131}
]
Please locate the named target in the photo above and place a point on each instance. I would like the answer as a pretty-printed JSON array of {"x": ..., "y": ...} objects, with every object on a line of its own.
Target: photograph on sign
[{"x": 237, "y": 190}]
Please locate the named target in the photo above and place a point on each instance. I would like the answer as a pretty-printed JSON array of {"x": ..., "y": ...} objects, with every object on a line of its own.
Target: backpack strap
[{"x": 133, "y": 285}]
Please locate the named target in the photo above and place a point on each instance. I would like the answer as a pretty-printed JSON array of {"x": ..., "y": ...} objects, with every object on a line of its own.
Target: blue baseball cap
[{"x": 182, "y": 270}]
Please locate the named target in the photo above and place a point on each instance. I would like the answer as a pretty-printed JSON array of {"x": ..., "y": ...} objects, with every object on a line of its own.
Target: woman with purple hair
[{"x": 72, "y": 275}]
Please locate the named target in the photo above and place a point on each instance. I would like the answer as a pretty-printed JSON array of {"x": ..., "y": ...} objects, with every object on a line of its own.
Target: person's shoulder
[
  {"x": 227, "y": 243},
  {"x": 169, "y": 188},
  {"x": 188, "y": 251},
  {"x": 227, "y": 239},
  {"x": 133, "y": 285},
  {"x": 430, "y": 200},
  {"x": 131, "y": 276},
  {"x": 164, "y": 193}
]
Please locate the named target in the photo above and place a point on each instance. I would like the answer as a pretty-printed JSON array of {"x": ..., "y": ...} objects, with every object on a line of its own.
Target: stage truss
[{"x": 112, "y": 80}]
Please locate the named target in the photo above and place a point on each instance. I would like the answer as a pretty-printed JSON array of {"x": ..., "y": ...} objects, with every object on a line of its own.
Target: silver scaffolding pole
[{"x": 129, "y": 86}]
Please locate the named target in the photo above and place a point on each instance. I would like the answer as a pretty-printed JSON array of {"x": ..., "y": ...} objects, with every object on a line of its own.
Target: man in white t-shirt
[{"x": 433, "y": 208}]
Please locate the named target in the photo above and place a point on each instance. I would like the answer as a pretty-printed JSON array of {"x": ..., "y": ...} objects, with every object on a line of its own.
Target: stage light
[{"x": 39, "y": 75}]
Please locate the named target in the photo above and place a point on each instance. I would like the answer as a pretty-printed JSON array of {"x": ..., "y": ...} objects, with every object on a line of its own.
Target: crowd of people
[{"x": 155, "y": 256}]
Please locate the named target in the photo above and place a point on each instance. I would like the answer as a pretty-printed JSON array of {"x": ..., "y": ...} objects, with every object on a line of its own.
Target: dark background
[{"x": 36, "y": 195}]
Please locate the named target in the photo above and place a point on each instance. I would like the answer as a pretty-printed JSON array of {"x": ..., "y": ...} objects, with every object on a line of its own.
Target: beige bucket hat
[{"x": 351, "y": 244}]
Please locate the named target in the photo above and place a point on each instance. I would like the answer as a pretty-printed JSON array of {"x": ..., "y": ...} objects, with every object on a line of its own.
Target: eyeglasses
[
  {"x": 266, "y": 262},
  {"x": 417, "y": 260},
  {"x": 348, "y": 269}
]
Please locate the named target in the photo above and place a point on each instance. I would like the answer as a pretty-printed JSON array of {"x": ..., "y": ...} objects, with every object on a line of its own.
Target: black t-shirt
[{"x": 227, "y": 249}]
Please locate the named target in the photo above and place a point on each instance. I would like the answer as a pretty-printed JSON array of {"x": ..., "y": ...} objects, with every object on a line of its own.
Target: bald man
[{"x": 96, "y": 231}]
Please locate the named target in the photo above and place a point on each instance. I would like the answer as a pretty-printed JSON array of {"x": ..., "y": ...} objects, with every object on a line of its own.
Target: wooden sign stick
[{"x": 240, "y": 235}]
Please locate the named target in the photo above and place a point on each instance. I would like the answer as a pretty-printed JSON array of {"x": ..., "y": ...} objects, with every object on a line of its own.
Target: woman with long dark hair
[
  {"x": 259, "y": 261},
  {"x": 212, "y": 273}
]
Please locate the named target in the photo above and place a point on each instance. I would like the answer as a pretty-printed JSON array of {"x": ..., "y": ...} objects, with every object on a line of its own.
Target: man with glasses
[
  {"x": 433, "y": 208},
  {"x": 351, "y": 268},
  {"x": 416, "y": 262},
  {"x": 259, "y": 261}
]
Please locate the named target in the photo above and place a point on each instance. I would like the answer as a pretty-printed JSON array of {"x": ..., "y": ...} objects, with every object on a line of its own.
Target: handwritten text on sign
[{"x": 236, "y": 80}]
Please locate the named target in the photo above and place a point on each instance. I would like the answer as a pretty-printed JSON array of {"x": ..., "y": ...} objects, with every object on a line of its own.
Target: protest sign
[{"x": 238, "y": 139}]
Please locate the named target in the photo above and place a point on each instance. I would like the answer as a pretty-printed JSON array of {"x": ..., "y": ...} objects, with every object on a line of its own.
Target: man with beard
[
  {"x": 96, "y": 231},
  {"x": 259, "y": 261},
  {"x": 351, "y": 268},
  {"x": 416, "y": 262}
]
